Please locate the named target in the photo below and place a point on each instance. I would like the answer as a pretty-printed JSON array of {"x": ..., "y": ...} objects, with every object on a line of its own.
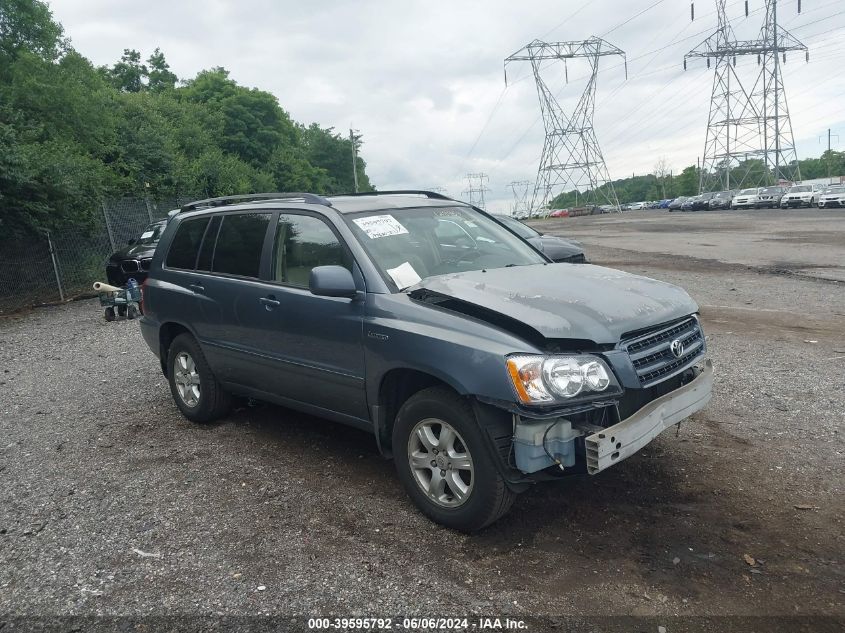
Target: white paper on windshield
[
  {"x": 146, "y": 234},
  {"x": 380, "y": 226},
  {"x": 404, "y": 275}
]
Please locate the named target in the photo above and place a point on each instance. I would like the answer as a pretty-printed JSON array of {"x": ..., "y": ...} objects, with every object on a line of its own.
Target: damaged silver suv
[{"x": 479, "y": 365}]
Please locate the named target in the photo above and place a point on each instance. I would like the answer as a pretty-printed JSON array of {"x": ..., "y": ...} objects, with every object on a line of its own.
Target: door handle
[
  {"x": 270, "y": 302},
  {"x": 197, "y": 287}
]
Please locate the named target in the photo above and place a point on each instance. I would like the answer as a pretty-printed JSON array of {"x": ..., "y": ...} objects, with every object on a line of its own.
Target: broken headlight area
[{"x": 557, "y": 441}]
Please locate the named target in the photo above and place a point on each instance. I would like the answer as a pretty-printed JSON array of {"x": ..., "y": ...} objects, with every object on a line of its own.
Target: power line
[
  {"x": 487, "y": 122},
  {"x": 632, "y": 18}
]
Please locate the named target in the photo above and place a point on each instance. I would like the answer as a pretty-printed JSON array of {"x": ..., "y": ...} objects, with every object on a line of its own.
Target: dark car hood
[
  {"x": 561, "y": 301},
  {"x": 135, "y": 251},
  {"x": 555, "y": 247}
]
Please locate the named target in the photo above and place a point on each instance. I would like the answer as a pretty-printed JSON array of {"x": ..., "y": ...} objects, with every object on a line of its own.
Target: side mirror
[
  {"x": 332, "y": 281},
  {"x": 130, "y": 242}
]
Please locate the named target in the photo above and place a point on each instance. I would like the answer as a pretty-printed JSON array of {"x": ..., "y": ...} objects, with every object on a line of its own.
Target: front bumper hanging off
[{"x": 613, "y": 444}]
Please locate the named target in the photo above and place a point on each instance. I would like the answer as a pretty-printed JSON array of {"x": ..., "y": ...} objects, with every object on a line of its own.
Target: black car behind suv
[
  {"x": 478, "y": 364},
  {"x": 133, "y": 261}
]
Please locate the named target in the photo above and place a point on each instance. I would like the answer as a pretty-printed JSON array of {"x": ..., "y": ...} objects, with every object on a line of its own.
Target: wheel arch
[
  {"x": 167, "y": 332},
  {"x": 395, "y": 387}
]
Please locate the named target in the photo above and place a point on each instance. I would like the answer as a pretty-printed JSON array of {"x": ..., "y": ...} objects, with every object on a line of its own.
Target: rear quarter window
[{"x": 186, "y": 243}]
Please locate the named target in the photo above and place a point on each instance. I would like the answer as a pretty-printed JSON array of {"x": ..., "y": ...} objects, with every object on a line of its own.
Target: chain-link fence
[{"x": 49, "y": 267}]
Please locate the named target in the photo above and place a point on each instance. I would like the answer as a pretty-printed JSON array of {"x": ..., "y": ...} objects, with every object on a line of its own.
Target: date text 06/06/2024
[{"x": 418, "y": 624}]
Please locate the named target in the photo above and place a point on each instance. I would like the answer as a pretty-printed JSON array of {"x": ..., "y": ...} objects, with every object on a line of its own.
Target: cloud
[{"x": 421, "y": 80}]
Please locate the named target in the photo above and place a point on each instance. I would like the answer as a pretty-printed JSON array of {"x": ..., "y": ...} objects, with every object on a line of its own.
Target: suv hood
[{"x": 560, "y": 301}]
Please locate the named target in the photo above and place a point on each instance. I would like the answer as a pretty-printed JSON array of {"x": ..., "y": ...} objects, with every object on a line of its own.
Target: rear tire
[
  {"x": 193, "y": 385},
  {"x": 444, "y": 464},
  {"x": 109, "y": 314}
]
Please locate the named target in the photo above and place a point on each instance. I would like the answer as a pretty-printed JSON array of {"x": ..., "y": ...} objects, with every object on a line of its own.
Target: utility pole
[
  {"x": 740, "y": 122},
  {"x": 355, "y": 140},
  {"x": 571, "y": 157},
  {"x": 476, "y": 188},
  {"x": 829, "y": 155}
]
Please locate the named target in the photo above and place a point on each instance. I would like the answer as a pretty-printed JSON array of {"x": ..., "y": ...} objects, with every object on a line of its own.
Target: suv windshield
[
  {"x": 772, "y": 190},
  {"x": 724, "y": 194},
  {"x": 837, "y": 189},
  {"x": 409, "y": 245},
  {"x": 151, "y": 234},
  {"x": 525, "y": 232},
  {"x": 800, "y": 188},
  {"x": 747, "y": 192}
]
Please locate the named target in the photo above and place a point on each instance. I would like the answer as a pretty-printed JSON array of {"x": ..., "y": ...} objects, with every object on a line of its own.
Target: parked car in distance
[
  {"x": 559, "y": 213},
  {"x": 721, "y": 200},
  {"x": 746, "y": 199},
  {"x": 133, "y": 260},
  {"x": 479, "y": 365},
  {"x": 677, "y": 203},
  {"x": 801, "y": 196},
  {"x": 637, "y": 206},
  {"x": 557, "y": 249},
  {"x": 832, "y": 197},
  {"x": 702, "y": 202},
  {"x": 687, "y": 204},
  {"x": 769, "y": 197}
]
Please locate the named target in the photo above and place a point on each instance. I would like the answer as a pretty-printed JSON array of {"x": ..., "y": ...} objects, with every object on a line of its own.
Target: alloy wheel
[
  {"x": 441, "y": 463},
  {"x": 187, "y": 379}
]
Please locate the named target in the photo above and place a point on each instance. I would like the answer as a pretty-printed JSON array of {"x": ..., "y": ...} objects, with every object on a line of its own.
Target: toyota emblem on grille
[{"x": 677, "y": 348}]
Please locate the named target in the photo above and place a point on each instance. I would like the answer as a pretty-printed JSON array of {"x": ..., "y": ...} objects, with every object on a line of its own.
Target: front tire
[
  {"x": 193, "y": 385},
  {"x": 444, "y": 464}
]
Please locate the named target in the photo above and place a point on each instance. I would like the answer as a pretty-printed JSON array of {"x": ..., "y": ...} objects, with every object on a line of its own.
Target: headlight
[{"x": 546, "y": 379}]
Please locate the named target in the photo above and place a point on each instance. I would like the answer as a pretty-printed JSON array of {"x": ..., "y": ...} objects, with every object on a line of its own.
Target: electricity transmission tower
[
  {"x": 571, "y": 157},
  {"x": 520, "y": 189},
  {"x": 747, "y": 124},
  {"x": 476, "y": 188}
]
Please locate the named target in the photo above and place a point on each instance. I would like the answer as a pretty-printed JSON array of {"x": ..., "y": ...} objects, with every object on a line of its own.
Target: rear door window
[
  {"x": 186, "y": 243},
  {"x": 239, "y": 244}
]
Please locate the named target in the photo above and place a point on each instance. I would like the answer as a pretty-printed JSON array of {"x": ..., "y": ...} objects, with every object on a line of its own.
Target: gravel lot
[{"x": 112, "y": 503}]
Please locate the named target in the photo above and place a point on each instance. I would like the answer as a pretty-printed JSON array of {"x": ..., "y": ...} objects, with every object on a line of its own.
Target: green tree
[
  {"x": 72, "y": 135},
  {"x": 254, "y": 125},
  {"x": 160, "y": 78},
  {"x": 686, "y": 184},
  {"x": 128, "y": 74},
  {"x": 333, "y": 153},
  {"x": 28, "y": 25}
]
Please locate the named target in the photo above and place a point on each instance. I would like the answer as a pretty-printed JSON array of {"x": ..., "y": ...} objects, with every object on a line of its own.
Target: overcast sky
[{"x": 423, "y": 81}]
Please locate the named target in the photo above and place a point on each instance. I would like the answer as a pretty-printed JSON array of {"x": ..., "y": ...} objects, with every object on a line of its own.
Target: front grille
[
  {"x": 129, "y": 266},
  {"x": 652, "y": 356}
]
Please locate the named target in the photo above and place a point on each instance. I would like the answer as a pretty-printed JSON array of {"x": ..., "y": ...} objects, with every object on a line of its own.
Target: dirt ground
[{"x": 113, "y": 504}]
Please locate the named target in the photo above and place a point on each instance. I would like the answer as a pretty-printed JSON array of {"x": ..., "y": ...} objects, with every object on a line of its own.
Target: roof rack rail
[
  {"x": 309, "y": 198},
  {"x": 428, "y": 194}
]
